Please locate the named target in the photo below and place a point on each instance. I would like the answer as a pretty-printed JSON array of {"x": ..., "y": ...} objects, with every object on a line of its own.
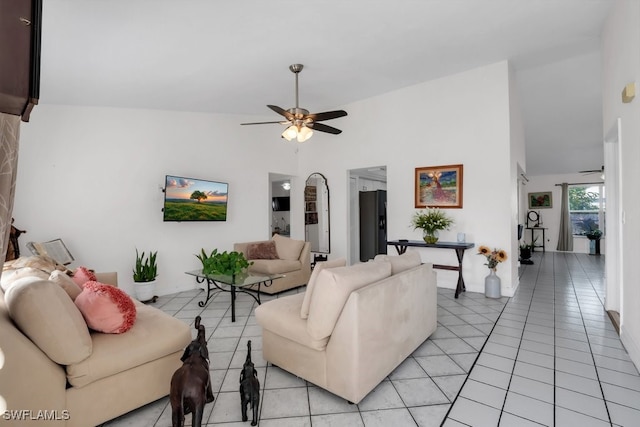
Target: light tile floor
[{"x": 552, "y": 358}]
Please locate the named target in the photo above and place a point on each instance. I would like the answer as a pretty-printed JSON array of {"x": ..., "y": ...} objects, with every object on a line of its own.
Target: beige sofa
[
  {"x": 105, "y": 376},
  {"x": 293, "y": 260},
  {"x": 361, "y": 322}
]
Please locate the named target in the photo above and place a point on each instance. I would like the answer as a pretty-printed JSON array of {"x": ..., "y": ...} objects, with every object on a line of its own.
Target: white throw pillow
[
  {"x": 288, "y": 248},
  {"x": 306, "y": 302},
  {"x": 402, "y": 262},
  {"x": 332, "y": 290}
]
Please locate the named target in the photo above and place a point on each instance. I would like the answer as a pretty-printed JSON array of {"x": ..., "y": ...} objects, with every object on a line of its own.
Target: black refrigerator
[{"x": 373, "y": 224}]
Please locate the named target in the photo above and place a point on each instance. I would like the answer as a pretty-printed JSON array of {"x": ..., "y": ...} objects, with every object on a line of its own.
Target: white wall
[
  {"x": 92, "y": 175},
  {"x": 462, "y": 118},
  {"x": 518, "y": 164},
  {"x": 551, "y": 217},
  {"x": 621, "y": 59}
]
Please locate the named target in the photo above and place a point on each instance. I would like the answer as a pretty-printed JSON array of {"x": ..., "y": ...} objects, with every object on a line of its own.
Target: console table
[
  {"x": 533, "y": 245},
  {"x": 402, "y": 245}
]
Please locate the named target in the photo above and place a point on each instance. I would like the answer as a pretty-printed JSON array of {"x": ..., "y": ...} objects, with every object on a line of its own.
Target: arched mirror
[{"x": 316, "y": 213}]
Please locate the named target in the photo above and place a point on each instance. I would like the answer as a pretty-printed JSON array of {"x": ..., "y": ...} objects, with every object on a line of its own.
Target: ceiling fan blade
[
  {"x": 281, "y": 111},
  {"x": 324, "y": 128},
  {"x": 327, "y": 115},
  {"x": 265, "y": 123}
]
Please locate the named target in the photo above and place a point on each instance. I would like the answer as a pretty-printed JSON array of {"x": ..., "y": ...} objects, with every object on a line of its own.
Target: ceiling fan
[
  {"x": 590, "y": 172},
  {"x": 300, "y": 123}
]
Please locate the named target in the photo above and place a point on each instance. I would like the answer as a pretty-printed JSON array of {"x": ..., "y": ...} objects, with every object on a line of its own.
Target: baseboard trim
[{"x": 615, "y": 319}]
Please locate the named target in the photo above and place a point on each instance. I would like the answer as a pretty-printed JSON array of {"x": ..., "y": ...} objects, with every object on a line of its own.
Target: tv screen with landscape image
[{"x": 190, "y": 199}]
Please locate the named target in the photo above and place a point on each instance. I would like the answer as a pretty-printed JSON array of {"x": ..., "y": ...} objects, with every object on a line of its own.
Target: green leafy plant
[
  {"x": 525, "y": 245},
  {"x": 146, "y": 269},
  {"x": 431, "y": 220},
  {"x": 593, "y": 234},
  {"x": 225, "y": 263}
]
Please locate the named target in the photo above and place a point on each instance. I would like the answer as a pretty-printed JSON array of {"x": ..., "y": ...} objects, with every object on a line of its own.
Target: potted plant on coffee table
[
  {"x": 144, "y": 276},
  {"x": 224, "y": 263}
]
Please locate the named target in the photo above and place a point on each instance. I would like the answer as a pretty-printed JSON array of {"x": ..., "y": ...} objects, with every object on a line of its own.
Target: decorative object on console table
[
  {"x": 430, "y": 222},
  {"x": 438, "y": 186},
  {"x": 492, "y": 281},
  {"x": 144, "y": 276}
]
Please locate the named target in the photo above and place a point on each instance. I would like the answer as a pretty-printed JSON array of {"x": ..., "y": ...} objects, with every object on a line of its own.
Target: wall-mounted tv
[
  {"x": 191, "y": 199},
  {"x": 280, "y": 203}
]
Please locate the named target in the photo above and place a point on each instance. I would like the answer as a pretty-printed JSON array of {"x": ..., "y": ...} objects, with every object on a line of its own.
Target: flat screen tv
[
  {"x": 191, "y": 199},
  {"x": 280, "y": 203}
]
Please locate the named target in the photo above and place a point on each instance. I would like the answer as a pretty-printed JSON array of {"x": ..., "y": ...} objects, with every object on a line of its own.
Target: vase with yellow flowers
[
  {"x": 492, "y": 281},
  {"x": 430, "y": 221}
]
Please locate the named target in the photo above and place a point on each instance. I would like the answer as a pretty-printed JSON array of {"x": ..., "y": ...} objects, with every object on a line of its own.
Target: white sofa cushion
[
  {"x": 402, "y": 262},
  {"x": 306, "y": 303},
  {"x": 153, "y": 336},
  {"x": 332, "y": 289},
  {"x": 274, "y": 266},
  {"x": 46, "y": 314},
  {"x": 288, "y": 248},
  {"x": 11, "y": 276},
  {"x": 282, "y": 317}
]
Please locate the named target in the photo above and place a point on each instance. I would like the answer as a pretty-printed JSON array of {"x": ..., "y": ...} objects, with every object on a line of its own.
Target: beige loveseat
[
  {"x": 354, "y": 325},
  {"x": 292, "y": 259},
  {"x": 79, "y": 377}
]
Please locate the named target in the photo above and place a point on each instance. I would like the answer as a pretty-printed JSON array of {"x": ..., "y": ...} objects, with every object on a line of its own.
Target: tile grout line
[{"x": 595, "y": 366}]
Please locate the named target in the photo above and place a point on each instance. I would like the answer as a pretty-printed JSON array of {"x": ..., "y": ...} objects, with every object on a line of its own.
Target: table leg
[
  {"x": 209, "y": 282},
  {"x": 460, "y": 287},
  {"x": 400, "y": 249},
  {"x": 233, "y": 303}
]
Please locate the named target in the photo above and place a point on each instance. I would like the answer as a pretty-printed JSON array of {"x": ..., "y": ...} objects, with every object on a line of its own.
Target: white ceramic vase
[{"x": 492, "y": 285}]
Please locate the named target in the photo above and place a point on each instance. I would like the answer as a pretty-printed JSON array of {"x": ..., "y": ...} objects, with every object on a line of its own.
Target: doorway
[
  {"x": 280, "y": 204},
  {"x": 361, "y": 180},
  {"x": 613, "y": 223}
]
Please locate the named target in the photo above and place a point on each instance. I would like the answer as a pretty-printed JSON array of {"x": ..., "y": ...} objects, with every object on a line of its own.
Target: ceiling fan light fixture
[
  {"x": 304, "y": 134},
  {"x": 290, "y": 133}
]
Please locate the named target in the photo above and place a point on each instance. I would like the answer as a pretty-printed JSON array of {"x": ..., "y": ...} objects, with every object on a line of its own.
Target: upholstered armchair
[{"x": 280, "y": 255}]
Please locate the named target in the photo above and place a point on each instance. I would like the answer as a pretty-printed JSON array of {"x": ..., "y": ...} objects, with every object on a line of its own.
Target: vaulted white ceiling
[{"x": 232, "y": 57}]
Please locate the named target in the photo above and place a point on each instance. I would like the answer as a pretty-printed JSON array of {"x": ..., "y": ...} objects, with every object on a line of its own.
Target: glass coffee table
[{"x": 245, "y": 283}]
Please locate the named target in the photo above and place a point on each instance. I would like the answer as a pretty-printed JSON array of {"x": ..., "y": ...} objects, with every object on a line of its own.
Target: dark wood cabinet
[{"x": 20, "y": 34}]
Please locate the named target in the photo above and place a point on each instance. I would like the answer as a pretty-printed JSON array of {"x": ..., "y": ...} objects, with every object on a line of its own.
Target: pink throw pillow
[
  {"x": 83, "y": 275},
  {"x": 106, "y": 308}
]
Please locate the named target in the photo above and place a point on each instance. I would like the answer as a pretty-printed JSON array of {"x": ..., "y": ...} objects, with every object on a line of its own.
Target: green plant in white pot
[{"x": 144, "y": 275}]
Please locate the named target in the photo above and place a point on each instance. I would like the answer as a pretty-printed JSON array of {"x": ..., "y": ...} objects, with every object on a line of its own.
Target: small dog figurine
[
  {"x": 191, "y": 383},
  {"x": 249, "y": 388}
]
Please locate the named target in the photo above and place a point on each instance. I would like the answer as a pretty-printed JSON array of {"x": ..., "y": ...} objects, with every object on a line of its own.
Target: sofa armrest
[
  {"x": 380, "y": 326},
  {"x": 28, "y": 379},
  {"x": 305, "y": 259}
]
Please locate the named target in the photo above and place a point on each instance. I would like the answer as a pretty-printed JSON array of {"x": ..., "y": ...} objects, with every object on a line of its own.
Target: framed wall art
[
  {"x": 438, "y": 187},
  {"x": 541, "y": 200}
]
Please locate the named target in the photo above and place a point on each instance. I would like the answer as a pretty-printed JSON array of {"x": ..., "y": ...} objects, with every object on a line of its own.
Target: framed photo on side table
[{"x": 438, "y": 187}]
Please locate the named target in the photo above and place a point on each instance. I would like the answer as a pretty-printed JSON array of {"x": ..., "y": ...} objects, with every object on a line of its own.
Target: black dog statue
[
  {"x": 249, "y": 388},
  {"x": 191, "y": 383}
]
